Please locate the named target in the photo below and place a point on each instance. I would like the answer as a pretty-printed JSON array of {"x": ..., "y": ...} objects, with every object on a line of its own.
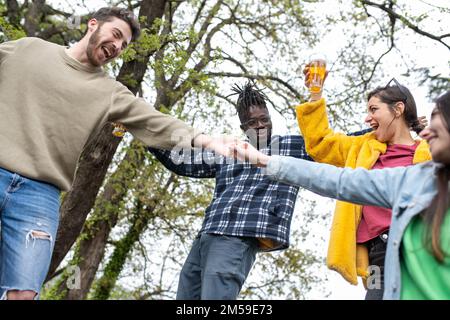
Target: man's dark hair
[
  {"x": 107, "y": 14},
  {"x": 248, "y": 95}
]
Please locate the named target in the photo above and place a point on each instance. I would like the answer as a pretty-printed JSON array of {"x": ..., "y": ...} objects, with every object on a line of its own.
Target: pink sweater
[{"x": 376, "y": 220}]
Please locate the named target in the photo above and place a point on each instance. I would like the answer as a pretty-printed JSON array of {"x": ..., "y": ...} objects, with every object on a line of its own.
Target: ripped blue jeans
[{"x": 29, "y": 216}]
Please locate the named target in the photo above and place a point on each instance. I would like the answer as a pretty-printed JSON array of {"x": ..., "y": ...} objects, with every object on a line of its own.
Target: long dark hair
[
  {"x": 398, "y": 93},
  {"x": 434, "y": 216}
]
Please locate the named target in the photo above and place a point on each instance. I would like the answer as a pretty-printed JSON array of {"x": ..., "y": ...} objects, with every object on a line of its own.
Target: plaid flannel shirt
[{"x": 245, "y": 203}]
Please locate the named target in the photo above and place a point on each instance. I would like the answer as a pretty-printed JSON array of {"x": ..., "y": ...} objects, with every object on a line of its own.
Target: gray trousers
[{"x": 216, "y": 267}]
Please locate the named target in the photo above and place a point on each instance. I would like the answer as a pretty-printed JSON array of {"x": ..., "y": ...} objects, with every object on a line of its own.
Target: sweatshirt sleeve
[
  {"x": 378, "y": 187},
  {"x": 189, "y": 164},
  {"x": 152, "y": 127},
  {"x": 321, "y": 142}
]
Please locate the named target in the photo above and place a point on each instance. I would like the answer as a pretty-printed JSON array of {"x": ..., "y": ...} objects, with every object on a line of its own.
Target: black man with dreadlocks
[
  {"x": 248, "y": 214},
  {"x": 253, "y": 114}
]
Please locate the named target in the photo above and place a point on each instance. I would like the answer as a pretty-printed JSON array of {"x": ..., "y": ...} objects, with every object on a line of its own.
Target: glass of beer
[
  {"x": 119, "y": 130},
  {"x": 317, "y": 69}
]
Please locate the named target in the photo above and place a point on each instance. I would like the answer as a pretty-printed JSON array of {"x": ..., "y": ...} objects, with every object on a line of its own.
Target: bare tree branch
[
  {"x": 394, "y": 15},
  {"x": 199, "y": 12},
  {"x": 257, "y": 77}
]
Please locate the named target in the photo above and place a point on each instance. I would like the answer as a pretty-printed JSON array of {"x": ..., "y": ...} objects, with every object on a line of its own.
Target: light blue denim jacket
[{"x": 407, "y": 190}]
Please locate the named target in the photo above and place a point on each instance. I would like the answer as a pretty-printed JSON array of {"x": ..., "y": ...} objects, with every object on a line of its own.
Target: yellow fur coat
[{"x": 326, "y": 146}]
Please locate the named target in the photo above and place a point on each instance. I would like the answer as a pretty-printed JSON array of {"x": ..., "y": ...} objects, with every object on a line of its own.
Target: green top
[{"x": 423, "y": 277}]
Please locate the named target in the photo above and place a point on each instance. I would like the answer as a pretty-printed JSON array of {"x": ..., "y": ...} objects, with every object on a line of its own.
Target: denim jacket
[{"x": 407, "y": 190}]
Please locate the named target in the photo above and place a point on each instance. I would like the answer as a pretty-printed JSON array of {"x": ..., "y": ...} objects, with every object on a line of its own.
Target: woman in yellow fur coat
[{"x": 359, "y": 234}]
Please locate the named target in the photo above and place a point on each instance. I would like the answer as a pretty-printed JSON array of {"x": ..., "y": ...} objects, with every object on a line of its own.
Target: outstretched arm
[
  {"x": 156, "y": 129},
  {"x": 374, "y": 187},
  {"x": 361, "y": 186},
  {"x": 192, "y": 163}
]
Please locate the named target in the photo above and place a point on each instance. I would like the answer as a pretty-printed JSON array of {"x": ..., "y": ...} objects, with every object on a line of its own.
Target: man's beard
[{"x": 92, "y": 45}]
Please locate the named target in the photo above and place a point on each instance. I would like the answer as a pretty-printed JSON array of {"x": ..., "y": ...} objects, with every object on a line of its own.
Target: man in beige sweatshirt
[{"x": 52, "y": 101}]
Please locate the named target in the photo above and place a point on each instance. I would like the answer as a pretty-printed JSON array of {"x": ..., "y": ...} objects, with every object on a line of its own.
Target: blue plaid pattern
[{"x": 245, "y": 203}]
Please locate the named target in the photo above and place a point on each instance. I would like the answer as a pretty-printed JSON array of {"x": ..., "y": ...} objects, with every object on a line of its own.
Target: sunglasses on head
[{"x": 399, "y": 86}]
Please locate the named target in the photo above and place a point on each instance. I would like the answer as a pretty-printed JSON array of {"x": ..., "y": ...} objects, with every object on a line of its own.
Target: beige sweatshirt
[{"x": 51, "y": 104}]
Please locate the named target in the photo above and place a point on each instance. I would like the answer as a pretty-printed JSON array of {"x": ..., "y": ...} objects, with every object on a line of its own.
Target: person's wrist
[{"x": 315, "y": 96}]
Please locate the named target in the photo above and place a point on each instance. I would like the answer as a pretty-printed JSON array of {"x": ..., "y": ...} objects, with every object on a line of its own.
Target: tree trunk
[
  {"x": 93, "y": 165},
  {"x": 122, "y": 249},
  {"x": 33, "y": 17},
  {"x": 140, "y": 219},
  {"x": 91, "y": 248}
]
